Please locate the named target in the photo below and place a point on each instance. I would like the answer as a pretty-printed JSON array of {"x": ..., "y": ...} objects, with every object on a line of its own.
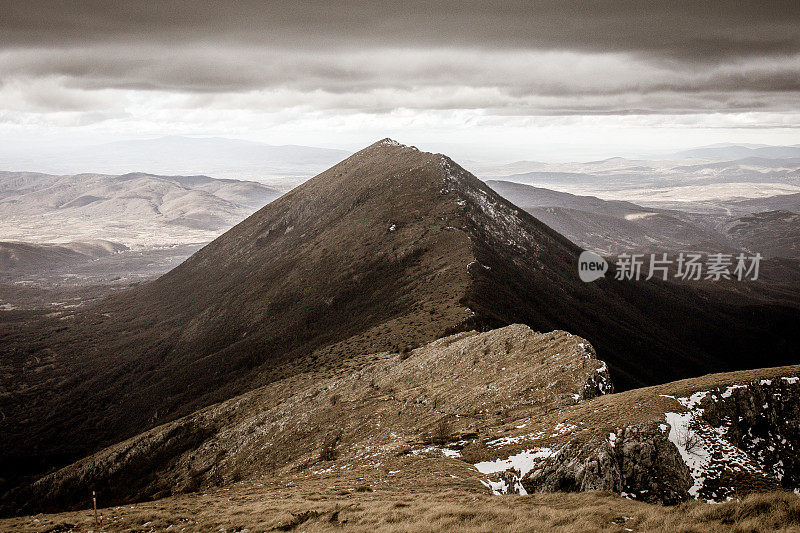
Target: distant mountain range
[
  {"x": 612, "y": 227},
  {"x": 731, "y": 152},
  {"x": 96, "y": 228},
  {"x": 180, "y": 155},
  {"x": 708, "y": 186}
]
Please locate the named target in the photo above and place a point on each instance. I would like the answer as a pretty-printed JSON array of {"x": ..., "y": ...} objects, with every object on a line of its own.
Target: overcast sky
[{"x": 480, "y": 80}]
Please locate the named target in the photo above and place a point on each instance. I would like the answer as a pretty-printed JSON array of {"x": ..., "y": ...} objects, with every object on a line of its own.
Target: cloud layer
[
  {"x": 688, "y": 30},
  {"x": 80, "y": 62},
  {"x": 517, "y": 57}
]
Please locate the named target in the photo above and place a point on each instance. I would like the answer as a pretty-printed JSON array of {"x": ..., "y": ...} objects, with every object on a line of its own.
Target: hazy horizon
[
  {"x": 21, "y": 156},
  {"x": 543, "y": 81}
]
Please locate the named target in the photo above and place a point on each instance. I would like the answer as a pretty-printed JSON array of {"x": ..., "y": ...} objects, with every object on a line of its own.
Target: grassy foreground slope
[
  {"x": 320, "y": 505},
  {"x": 506, "y": 411}
]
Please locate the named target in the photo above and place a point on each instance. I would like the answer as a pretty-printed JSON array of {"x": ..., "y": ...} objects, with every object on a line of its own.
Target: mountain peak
[{"x": 388, "y": 142}]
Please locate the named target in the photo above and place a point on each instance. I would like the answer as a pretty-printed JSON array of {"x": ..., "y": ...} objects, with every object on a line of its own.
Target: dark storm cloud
[
  {"x": 690, "y": 30},
  {"x": 520, "y": 57}
]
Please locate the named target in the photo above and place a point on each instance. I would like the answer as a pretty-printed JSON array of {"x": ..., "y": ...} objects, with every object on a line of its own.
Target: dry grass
[
  {"x": 306, "y": 506},
  {"x": 356, "y": 418}
]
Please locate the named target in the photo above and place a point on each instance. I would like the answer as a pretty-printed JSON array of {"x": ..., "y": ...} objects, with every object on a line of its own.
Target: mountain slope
[
  {"x": 508, "y": 410},
  {"x": 328, "y": 270},
  {"x": 528, "y": 197},
  {"x": 783, "y": 202},
  {"x": 390, "y": 248},
  {"x": 771, "y": 233},
  {"x": 430, "y": 395}
]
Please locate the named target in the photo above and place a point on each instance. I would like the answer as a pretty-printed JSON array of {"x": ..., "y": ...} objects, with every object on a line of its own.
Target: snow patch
[
  {"x": 522, "y": 462},
  {"x": 447, "y": 452},
  {"x": 638, "y": 216},
  {"x": 692, "y": 451},
  {"x": 497, "y": 487},
  {"x": 693, "y": 400},
  {"x": 729, "y": 390}
]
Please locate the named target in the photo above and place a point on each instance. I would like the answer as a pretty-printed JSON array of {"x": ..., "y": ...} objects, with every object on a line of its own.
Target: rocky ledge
[{"x": 712, "y": 444}]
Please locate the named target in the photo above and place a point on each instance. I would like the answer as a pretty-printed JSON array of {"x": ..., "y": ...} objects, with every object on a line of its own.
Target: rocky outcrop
[
  {"x": 740, "y": 438},
  {"x": 717, "y": 443},
  {"x": 650, "y": 467},
  {"x": 639, "y": 462},
  {"x": 597, "y": 383}
]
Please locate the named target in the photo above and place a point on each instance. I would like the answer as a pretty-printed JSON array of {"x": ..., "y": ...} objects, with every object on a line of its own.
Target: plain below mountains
[{"x": 388, "y": 250}]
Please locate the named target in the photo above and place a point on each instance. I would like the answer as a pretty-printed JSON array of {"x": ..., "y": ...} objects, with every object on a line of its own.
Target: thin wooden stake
[{"x": 94, "y": 504}]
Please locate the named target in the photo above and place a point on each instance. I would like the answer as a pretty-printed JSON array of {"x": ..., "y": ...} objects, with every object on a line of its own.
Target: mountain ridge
[{"x": 388, "y": 249}]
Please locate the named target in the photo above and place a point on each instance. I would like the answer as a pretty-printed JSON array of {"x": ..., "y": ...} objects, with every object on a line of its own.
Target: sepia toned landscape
[{"x": 230, "y": 302}]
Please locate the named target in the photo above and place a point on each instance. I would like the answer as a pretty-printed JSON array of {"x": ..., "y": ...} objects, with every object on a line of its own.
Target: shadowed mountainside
[
  {"x": 390, "y": 248},
  {"x": 771, "y": 233}
]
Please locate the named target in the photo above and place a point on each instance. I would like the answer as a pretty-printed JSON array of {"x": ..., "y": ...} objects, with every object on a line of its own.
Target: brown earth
[
  {"x": 424, "y": 419},
  {"x": 391, "y": 248}
]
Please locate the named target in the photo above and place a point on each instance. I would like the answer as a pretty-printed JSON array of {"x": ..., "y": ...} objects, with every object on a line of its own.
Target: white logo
[{"x": 591, "y": 266}]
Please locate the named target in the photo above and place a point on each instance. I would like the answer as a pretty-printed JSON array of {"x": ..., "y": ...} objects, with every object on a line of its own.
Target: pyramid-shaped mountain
[{"x": 390, "y": 248}]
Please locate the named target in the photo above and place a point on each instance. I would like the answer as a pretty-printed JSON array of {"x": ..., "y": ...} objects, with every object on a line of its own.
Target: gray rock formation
[
  {"x": 641, "y": 463},
  {"x": 725, "y": 441}
]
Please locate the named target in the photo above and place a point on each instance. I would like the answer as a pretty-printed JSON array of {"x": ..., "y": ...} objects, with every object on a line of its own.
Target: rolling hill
[{"x": 135, "y": 209}]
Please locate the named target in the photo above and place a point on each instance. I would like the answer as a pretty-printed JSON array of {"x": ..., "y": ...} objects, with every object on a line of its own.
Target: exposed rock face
[
  {"x": 722, "y": 441},
  {"x": 598, "y": 382},
  {"x": 740, "y": 438},
  {"x": 641, "y": 463},
  {"x": 650, "y": 467},
  {"x": 764, "y": 421}
]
